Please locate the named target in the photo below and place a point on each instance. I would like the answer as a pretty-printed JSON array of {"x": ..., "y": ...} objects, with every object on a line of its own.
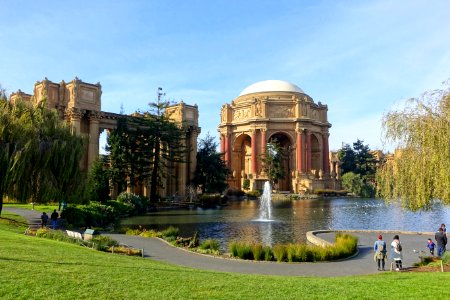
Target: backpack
[
  {"x": 381, "y": 247},
  {"x": 399, "y": 247}
]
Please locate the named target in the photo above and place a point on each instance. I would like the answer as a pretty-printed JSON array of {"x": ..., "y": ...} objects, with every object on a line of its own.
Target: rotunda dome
[{"x": 271, "y": 86}]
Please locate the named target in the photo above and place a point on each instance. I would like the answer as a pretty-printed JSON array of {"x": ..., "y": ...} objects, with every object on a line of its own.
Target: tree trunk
[
  {"x": 1, "y": 203},
  {"x": 154, "y": 179}
]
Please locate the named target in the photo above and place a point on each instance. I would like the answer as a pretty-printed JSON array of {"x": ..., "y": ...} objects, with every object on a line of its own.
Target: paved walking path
[{"x": 360, "y": 264}]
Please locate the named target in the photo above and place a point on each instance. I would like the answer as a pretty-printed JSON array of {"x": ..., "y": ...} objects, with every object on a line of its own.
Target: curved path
[{"x": 360, "y": 264}]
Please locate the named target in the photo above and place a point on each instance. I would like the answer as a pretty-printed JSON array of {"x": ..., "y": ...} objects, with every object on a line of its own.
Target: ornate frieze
[{"x": 280, "y": 111}]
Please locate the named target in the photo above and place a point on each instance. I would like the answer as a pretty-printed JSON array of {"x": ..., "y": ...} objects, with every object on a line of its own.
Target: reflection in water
[
  {"x": 266, "y": 233},
  {"x": 292, "y": 219}
]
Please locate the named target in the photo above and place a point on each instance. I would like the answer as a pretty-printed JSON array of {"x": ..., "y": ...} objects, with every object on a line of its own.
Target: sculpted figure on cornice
[{"x": 257, "y": 107}]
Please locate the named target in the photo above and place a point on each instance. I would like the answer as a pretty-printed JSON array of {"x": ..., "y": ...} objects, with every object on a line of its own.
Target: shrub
[
  {"x": 170, "y": 233},
  {"x": 209, "y": 246},
  {"x": 102, "y": 243},
  {"x": 254, "y": 194},
  {"x": 246, "y": 184},
  {"x": 279, "y": 251},
  {"x": 234, "y": 192},
  {"x": 131, "y": 231},
  {"x": 150, "y": 233},
  {"x": 138, "y": 204},
  {"x": 210, "y": 200}
]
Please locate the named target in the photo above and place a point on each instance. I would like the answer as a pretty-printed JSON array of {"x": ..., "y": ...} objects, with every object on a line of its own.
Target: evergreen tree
[
  {"x": 98, "y": 180},
  {"x": 211, "y": 172}
]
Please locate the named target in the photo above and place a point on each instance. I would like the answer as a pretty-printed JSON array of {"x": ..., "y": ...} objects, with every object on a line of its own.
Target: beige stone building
[
  {"x": 79, "y": 103},
  {"x": 278, "y": 110}
]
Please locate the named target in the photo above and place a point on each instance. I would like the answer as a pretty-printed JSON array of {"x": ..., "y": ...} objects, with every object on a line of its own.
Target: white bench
[{"x": 74, "y": 234}]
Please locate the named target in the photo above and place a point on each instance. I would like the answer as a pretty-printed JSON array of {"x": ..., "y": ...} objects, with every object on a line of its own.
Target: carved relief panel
[{"x": 280, "y": 111}]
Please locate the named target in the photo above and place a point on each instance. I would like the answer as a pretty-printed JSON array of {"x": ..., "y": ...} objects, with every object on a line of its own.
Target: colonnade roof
[{"x": 271, "y": 86}]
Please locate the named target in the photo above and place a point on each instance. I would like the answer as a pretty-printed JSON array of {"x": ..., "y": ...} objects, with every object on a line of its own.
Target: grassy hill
[{"x": 34, "y": 268}]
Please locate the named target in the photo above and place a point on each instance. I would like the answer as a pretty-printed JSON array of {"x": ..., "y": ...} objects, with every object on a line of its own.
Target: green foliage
[
  {"x": 209, "y": 246},
  {"x": 150, "y": 233},
  {"x": 131, "y": 231},
  {"x": 209, "y": 200},
  {"x": 38, "y": 153},
  {"x": 280, "y": 252},
  {"x": 418, "y": 173},
  {"x": 253, "y": 194},
  {"x": 246, "y": 184},
  {"x": 170, "y": 233},
  {"x": 241, "y": 250},
  {"x": 345, "y": 246},
  {"x": 137, "y": 203},
  {"x": 98, "y": 181},
  {"x": 329, "y": 192},
  {"x": 211, "y": 172},
  {"x": 355, "y": 184},
  {"x": 272, "y": 162},
  {"x": 257, "y": 251}
]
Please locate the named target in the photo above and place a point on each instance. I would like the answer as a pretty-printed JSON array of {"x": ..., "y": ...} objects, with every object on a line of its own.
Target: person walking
[
  {"x": 441, "y": 241},
  {"x": 380, "y": 252},
  {"x": 444, "y": 229},
  {"x": 54, "y": 217},
  {"x": 44, "y": 219},
  {"x": 396, "y": 252}
]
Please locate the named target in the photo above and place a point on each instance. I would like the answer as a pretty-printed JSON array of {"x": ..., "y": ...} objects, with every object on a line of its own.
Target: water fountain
[{"x": 265, "y": 206}]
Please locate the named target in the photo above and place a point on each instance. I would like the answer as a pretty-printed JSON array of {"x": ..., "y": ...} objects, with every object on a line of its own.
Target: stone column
[
  {"x": 193, "y": 154},
  {"x": 326, "y": 157},
  {"x": 222, "y": 143},
  {"x": 263, "y": 140},
  {"x": 94, "y": 135},
  {"x": 308, "y": 151},
  {"x": 228, "y": 149},
  {"x": 254, "y": 152},
  {"x": 299, "y": 152},
  {"x": 74, "y": 117}
]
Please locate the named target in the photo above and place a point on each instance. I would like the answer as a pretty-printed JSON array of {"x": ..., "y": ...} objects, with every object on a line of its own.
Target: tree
[
  {"x": 272, "y": 162},
  {"x": 211, "y": 172},
  {"x": 145, "y": 147},
  {"x": 39, "y": 154},
  {"x": 418, "y": 173},
  {"x": 358, "y": 160},
  {"x": 98, "y": 181}
]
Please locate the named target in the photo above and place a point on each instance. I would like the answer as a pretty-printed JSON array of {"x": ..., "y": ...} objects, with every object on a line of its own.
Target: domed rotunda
[{"x": 276, "y": 110}]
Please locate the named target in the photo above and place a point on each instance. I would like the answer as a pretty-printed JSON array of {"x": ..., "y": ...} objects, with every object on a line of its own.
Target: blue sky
[{"x": 359, "y": 57}]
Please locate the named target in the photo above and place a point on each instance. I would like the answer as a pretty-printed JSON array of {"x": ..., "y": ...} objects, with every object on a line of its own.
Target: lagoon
[{"x": 292, "y": 219}]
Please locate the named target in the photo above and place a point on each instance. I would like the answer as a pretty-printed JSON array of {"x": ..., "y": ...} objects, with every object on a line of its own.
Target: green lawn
[
  {"x": 39, "y": 207},
  {"x": 34, "y": 268}
]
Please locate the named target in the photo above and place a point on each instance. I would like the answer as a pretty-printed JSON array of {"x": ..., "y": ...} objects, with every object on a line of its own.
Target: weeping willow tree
[
  {"x": 39, "y": 154},
  {"x": 419, "y": 172}
]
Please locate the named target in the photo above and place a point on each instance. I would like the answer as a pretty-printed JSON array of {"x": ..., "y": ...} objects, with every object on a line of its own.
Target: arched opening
[
  {"x": 316, "y": 154},
  {"x": 241, "y": 164},
  {"x": 287, "y": 159}
]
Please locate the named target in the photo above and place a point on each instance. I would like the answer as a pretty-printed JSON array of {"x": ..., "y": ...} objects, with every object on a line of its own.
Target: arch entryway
[
  {"x": 285, "y": 143},
  {"x": 242, "y": 151}
]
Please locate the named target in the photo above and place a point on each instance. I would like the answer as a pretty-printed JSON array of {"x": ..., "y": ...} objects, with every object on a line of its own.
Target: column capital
[
  {"x": 95, "y": 115},
  {"x": 74, "y": 113}
]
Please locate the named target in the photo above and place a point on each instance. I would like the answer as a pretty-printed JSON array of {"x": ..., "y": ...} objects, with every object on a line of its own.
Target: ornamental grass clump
[
  {"x": 150, "y": 233},
  {"x": 280, "y": 252},
  {"x": 170, "y": 234},
  {"x": 209, "y": 246},
  {"x": 241, "y": 250},
  {"x": 257, "y": 251}
]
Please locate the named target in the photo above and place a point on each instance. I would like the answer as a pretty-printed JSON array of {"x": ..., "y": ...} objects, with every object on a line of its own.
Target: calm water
[{"x": 292, "y": 219}]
